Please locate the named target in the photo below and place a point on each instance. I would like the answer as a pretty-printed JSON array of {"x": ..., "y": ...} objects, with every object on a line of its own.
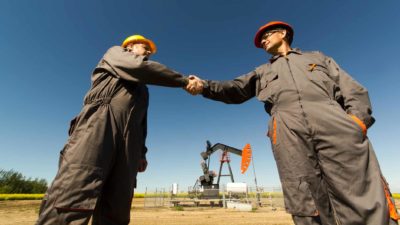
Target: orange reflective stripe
[
  {"x": 360, "y": 123},
  {"x": 312, "y": 66},
  {"x": 274, "y": 132},
  {"x": 392, "y": 208}
]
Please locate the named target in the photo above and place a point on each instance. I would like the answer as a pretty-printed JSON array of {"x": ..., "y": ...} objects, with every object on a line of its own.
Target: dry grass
[
  {"x": 24, "y": 212},
  {"x": 207, "y": 215},
  {"x": 19, "y": 212},
  {"x": 210, "y": 216}
]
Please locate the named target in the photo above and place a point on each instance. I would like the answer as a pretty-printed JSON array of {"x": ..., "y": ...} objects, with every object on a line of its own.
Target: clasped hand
[{"x": 195, "y": 85}]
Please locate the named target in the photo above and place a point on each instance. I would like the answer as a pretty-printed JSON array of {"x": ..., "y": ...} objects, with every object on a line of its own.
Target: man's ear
[
  {"x": 129, "y": 47},
  {"x": 284, "y": 33}
]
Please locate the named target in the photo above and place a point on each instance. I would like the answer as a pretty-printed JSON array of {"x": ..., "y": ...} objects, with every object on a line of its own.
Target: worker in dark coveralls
[
  {"x": 106, "y": 145},
  {"x": 318, "y": 126}
]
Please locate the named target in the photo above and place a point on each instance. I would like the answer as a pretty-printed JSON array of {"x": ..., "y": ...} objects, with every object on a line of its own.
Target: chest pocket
[
  {"x": 269, "y": 87},
  {"x": 319, "y": 75},
  {"x": 318, "y": 72}
]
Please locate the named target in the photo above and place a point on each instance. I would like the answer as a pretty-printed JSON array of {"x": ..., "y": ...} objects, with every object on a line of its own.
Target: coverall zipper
[
  {"x": 299, "y": 96},
  {"x": 309, "y": 129}
]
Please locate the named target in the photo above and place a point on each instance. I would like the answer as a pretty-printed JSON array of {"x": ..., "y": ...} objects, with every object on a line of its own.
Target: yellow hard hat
[{"x": 140, "y": 39}]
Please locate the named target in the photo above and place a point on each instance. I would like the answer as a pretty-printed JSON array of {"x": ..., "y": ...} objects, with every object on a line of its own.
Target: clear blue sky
[{"x": 48, "y": 50}]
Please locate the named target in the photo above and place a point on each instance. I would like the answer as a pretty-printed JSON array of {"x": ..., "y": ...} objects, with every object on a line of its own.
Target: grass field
[{"x": 24, "y": 212}]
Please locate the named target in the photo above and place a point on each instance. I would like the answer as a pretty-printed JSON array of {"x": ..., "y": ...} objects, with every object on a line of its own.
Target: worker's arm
[
  {"x": 234, "y": 91},
  {"x": 355, "y": 96},
  {"x": 128, "y": 66}
]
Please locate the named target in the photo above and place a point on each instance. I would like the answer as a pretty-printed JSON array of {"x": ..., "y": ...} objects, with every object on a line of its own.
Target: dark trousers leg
[
  {"x": 49, "y": 214},
  {"x": 84, "y": 164},
  {"x": 305, "y": 193},
  {"x": 306, "y": 220},
  {"x": 352, "y": 174},
  {"x": 114, "y": 205}
]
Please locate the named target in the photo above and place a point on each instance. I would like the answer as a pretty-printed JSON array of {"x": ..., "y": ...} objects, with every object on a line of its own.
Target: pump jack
[{"x": 205, "y": 187}]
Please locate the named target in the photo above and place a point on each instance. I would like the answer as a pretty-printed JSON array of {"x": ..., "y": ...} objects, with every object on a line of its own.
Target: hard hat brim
[
  {"x": 149, "y": 42},
  {"x": 270, "y": 26}
]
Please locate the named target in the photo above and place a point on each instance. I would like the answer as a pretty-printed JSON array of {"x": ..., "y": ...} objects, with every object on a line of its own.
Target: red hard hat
[{"x": 270, "y": 26}]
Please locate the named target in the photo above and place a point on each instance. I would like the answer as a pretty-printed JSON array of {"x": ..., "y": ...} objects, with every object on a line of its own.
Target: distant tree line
[{"x": 12, "y": 182}]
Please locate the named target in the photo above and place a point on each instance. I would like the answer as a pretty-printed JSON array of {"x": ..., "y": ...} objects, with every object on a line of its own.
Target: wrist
[
  {"x": 205, "y": 84},
  {"x": 185, "y": 81}
]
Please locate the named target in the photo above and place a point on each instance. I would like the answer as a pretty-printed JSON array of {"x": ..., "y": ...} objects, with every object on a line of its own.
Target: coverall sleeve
[
  {"x": 355, "y": 96},
  {"x": 131, "y": 67},
  {"x": 234, "y": 91}
]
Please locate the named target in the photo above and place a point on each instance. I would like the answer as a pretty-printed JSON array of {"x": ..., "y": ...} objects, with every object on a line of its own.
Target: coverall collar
[{"x": 293, "y": 50}]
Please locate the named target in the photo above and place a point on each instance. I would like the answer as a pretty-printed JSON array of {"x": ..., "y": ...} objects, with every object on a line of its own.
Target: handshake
[{"x": 195, "y": 85}]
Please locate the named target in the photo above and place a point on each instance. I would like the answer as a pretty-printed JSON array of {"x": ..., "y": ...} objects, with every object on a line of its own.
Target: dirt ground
[{"x": 25, "y": 212}]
